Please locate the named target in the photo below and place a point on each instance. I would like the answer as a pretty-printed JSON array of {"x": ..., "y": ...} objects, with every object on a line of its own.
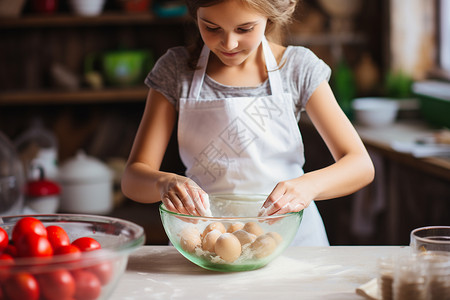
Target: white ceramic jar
[{"x": 86, "y": 185}]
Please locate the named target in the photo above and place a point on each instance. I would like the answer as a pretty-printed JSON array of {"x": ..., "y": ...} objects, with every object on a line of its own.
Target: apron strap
[
  {"x": 276, "y": 84},
  {"x": 275, "y": 81},
  {"x": 199, "y": 74}
]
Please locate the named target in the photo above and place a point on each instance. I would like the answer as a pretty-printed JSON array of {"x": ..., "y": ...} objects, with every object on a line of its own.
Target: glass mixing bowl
[
  {"x": 118, "y": 238},
  {"x": 235, "y": 238}
]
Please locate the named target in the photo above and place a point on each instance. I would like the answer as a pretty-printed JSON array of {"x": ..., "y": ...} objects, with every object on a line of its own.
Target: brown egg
[
  {"x": 263, "y": 246},
  {"x": 209, "y": 240},
  {"x": 234, "y": 227},
  {"x": 215, "y": 225},
  {"x": 276, "y": 236},
  {"x": 228, "y": 247},
  {"x": 253, "y": 228},
  {"x": 190, "y": 239},
  {"x": 244, "y": 237}
]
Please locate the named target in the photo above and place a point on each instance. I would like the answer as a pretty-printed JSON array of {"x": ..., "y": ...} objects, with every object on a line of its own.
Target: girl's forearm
[
  {"x": 346, "y": 176},
  {"x": 140, "y": 183}
]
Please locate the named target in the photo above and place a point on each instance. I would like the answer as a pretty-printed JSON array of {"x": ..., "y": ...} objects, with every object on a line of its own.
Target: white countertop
[{"x": 160, "y": 272}]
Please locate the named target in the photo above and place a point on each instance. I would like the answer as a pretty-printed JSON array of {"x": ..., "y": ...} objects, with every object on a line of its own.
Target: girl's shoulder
[
  {"x": 172, "y": 64},
  {"x": 301, "y": 59},
  {"x": 177, "y": 55},
  {"x": 296, "y": 52}
]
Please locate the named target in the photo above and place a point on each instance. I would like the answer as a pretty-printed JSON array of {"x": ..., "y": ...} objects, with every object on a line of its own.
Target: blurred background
[{"x": 72, "y": 95}]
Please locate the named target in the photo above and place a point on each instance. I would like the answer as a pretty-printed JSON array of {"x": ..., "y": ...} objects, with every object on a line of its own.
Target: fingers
[
  {"x": 273, "y": 204},
  {"x": 187, "y": 198},
  {"x": 195, "y": 194},
  {"x": 278, "y": 203}
]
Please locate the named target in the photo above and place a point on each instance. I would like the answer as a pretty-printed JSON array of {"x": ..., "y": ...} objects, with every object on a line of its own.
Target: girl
[{"x": 238, "y": 104}]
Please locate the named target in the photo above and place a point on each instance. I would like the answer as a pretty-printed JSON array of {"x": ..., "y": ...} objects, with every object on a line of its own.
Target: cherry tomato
[
  {"x": 103, "y": 271},
  {"x": 33, "y": 245},
  {"x": 11, "y": 250},
  {"x": 86, "y": 244},
  {"x": 6, "y": 261},
  {"x": 21, "y": 286},
  {"x": 57, "y": 285},
  {"x": 68, "y": 249},
  {"x": 4, "y": 239},
  {"x": 26, "y": 225},
  {"x": 57, "y": 236},
  {"x": 88, "y": 286}
]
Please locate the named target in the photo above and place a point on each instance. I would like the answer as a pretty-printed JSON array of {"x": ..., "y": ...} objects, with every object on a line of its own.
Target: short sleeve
[
  {"x": 163, "y": 76},
  {"x": 318, "y": 72},
  {"x": 305, "y": 72}
]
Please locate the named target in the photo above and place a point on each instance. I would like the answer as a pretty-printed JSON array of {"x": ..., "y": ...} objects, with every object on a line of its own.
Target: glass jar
[
  {"x": 409, "y": 278},
  {"x": 385, "y": 277},
  {"x": 437, "y": 284},
  {"x": 12, "y": 179},
  {"x": 38, "y": 148}
]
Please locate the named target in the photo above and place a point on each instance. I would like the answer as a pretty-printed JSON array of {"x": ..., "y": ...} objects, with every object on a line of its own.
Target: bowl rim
[
  {"x": 86, "y": 258},
  {"x": 426, "y": 239},
  {"x": 162, "y": 208}
]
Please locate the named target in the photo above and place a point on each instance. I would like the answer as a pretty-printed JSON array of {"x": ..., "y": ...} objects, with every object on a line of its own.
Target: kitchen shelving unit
[{"x": 41, "y": 28}]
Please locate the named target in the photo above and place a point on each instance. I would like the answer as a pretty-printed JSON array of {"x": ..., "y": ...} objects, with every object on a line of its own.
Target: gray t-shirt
[{"x": 302, "y": 71}]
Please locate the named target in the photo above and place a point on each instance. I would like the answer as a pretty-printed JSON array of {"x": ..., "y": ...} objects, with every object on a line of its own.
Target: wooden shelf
[
  {"x": 137, "y": 94},
  {"x": 70, "y": 20}
]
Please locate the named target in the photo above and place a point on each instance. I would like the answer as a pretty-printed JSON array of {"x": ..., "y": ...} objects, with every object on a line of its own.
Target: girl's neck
[{"x": 251, "y": 73}]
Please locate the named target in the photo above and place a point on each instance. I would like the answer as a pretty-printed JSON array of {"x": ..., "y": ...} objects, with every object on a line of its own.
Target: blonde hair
[{"x": 278, "y": 12}]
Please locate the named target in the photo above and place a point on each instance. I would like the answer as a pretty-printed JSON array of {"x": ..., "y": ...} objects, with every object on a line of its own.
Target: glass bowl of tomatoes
[{"x": 64, "y": 256}]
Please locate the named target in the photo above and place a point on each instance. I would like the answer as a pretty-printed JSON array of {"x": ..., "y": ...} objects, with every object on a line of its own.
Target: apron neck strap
[
  {"x": 271, "y": 64},
  {"x": 199, "y": 74},
  {"x": 276, "y": 85}
]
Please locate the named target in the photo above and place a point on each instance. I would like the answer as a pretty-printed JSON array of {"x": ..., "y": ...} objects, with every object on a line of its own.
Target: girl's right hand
[{"x": 182, "y": 195}]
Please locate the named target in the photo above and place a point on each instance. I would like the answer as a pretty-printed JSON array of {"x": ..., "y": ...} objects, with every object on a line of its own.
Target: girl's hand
[
  {"x": 287, "y": 196},
  {"x": 182, "y": 195}
]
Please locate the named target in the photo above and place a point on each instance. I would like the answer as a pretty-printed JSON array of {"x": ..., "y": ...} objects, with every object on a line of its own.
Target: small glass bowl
[
  {"x": 188, "y": 233},
  {"x": 431, "y": 238}
]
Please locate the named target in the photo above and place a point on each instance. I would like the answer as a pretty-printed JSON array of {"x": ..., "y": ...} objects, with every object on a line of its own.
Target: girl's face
[{"x": 231, "y": 30}]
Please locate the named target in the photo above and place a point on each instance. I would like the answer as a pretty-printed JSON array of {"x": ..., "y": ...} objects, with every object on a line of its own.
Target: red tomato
[
  {"x": 33, "y": 245},
  {"x": 4, "y": 239},
  {"x": 21, "y": 286},
  {"x": 86, "y": 244},
  {"x": 26, "y": 225},
  {"x": 88, "y": 286},
  {"x": 68, "y": 249},
  {"x": 6, "y": 261},
  {"x": 57, "y": 285},
  {"x": 57, "y": 236},
  {"x": 103, "y": 271},
  {"x": 11, "y": 250}
]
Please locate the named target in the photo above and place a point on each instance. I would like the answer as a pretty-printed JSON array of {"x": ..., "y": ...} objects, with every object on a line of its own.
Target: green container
[
  {"x": 434, "y": 101},
  {"x": 121, "y": 68}
]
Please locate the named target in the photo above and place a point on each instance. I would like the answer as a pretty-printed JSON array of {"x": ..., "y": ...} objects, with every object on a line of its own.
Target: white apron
[{"x": 245, "y": 145}]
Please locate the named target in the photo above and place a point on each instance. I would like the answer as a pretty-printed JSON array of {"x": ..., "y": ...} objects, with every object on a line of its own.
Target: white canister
[{"x": 86, "y": 185}]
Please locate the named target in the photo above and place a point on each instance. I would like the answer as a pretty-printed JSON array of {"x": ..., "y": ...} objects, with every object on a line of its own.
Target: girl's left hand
[{"x": 287, "y": 196}]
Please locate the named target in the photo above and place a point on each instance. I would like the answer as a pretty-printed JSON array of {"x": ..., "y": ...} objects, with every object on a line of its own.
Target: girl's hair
[{"x": 278, "y": 12}]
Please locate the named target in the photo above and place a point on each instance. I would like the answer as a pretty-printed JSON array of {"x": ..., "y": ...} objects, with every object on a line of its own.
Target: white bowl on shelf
[
  {"x": 87, "y": 7},
  {"x": 375, "y": 111}
]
